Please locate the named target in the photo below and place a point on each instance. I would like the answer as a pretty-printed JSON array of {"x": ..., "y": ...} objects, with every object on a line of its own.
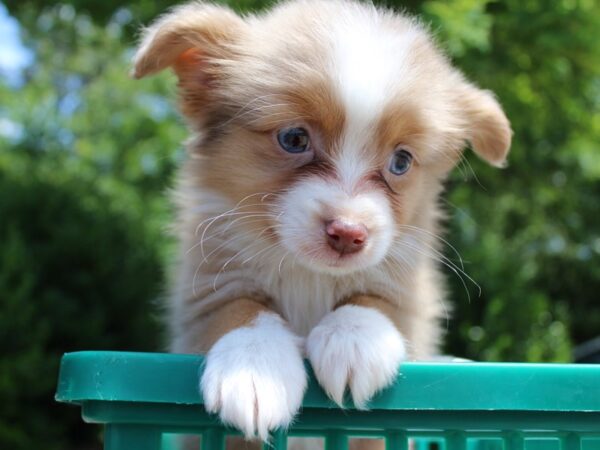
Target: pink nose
[{"x": 345, "y": 237}]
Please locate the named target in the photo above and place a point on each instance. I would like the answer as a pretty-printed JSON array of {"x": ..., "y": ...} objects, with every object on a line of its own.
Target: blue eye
[
  {"x": 293, "y": 140},
  {"x": 401, "y": 162}
]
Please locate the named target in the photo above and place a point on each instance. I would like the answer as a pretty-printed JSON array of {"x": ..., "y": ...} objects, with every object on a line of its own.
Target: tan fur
[
  {"x": 240, "y": 81},
  {"x": 235, "y": 314},
  {"x": 489, "y": 130},
  {"x": 195, "y": 25}
]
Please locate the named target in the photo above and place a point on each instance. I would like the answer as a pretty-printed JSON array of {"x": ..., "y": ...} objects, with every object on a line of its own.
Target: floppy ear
[
  {"x": 186, "y": 37},
  {"x": 488, "y": 129}
]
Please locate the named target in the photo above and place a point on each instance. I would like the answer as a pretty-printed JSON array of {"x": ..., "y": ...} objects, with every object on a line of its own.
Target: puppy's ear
[
  {"x": 487, "y": 128},
  {"x": 185, "y": 38}
]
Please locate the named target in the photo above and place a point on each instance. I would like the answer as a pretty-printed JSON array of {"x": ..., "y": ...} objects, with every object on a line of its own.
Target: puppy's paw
[
  {"x": 254, "y": 377},
  {"x": 358, "y": 347}
]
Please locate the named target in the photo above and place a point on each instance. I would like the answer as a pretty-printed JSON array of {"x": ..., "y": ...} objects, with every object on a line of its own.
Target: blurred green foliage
[
  {"x": 87, "y": 154},
  {"x": 68, "y": 256},
  {"x": 530, "y": 233}
]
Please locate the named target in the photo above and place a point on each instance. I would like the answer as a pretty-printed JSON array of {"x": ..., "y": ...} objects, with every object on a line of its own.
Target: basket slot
[
  {"x": 396, "y": 440},
  {"x": 278, "y": 441},
  {"x": 213, "y": 439},
  {"x": 456, "y": 440},
  {"x": 571, "y": 441},
  {"x": 514, "y": 441},
  {"x": 336, "y": 440}
]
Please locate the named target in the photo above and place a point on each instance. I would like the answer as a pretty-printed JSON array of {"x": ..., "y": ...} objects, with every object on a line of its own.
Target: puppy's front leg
[
  {"x": 254, "y": 376},
  {"x": 357, "y": 346}
]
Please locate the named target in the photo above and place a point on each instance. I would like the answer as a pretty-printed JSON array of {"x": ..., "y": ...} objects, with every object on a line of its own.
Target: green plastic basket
[{"x": 143, "y": 399}]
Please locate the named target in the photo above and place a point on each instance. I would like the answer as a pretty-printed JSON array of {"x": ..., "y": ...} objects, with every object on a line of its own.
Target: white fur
[
  {"x": 254, "y": 377},
  {"x": 367, "y": 62},
  {"x": 306, "y": 206},
  {"x": 358, "y": 347},
  {"x": 301, "y": 295},
  {"x": 367, "y": 65}
]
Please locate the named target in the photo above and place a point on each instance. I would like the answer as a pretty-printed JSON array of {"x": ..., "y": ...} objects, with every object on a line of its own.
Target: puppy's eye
[
  {"x": 400, "y": 162},
  {"x": 293, "y": 140}
]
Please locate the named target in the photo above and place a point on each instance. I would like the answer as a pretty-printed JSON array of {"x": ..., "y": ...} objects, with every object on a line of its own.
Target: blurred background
[{"x": 87, "y": 156}]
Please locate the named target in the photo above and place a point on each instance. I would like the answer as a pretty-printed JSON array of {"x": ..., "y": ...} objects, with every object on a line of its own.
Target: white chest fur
[{"x": 303, "y": 297}]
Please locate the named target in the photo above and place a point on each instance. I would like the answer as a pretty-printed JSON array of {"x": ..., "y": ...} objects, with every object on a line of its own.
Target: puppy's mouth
[
  {"x": 319, "y": 256},
  {"x": 340, "y": 259}
]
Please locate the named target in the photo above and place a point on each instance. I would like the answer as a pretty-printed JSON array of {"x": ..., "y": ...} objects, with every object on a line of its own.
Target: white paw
[
  {"x": 358, "y": 347},
  {"x": 254, "y": 377}
]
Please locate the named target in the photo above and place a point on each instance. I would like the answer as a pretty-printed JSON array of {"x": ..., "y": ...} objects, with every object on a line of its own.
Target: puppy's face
[{"x": 333, "y": 121}]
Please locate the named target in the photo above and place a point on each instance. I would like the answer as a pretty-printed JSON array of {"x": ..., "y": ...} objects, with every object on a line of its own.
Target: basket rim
[{"x": 464, "y": 386}]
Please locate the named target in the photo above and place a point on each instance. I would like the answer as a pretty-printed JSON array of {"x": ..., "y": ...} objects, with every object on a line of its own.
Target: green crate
[{"x": 143, "y": 399}]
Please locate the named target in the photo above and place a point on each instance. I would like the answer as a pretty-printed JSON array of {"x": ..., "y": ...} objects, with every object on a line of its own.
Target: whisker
[
  {"x": 242, "y": 111},
  {"x": 250, "y": 216},
  {"x": 231, "y": 210},
  {"x": 399, "y": 268},
  {"x": 216, "y": 233},
  {"x": 460, "y": 273},
  {"x": 258, "y": 253},
  {"x": 239, "y": 237},
  {"x": 435, "y": 236},
  {"x": 224, "y": 266},
  {"x": 281, "y": 261},
  {"x": 460, "y": 210}
]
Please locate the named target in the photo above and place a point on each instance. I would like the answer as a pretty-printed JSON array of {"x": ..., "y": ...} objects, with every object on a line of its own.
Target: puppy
[{"x": 321, "y": 135}]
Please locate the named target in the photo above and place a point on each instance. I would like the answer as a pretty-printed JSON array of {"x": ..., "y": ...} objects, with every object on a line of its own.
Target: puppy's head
[{"x": 341, "y": 118}]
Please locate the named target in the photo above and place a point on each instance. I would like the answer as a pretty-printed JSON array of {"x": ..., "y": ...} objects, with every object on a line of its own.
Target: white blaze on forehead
[{"x": 368, "y": 62}]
